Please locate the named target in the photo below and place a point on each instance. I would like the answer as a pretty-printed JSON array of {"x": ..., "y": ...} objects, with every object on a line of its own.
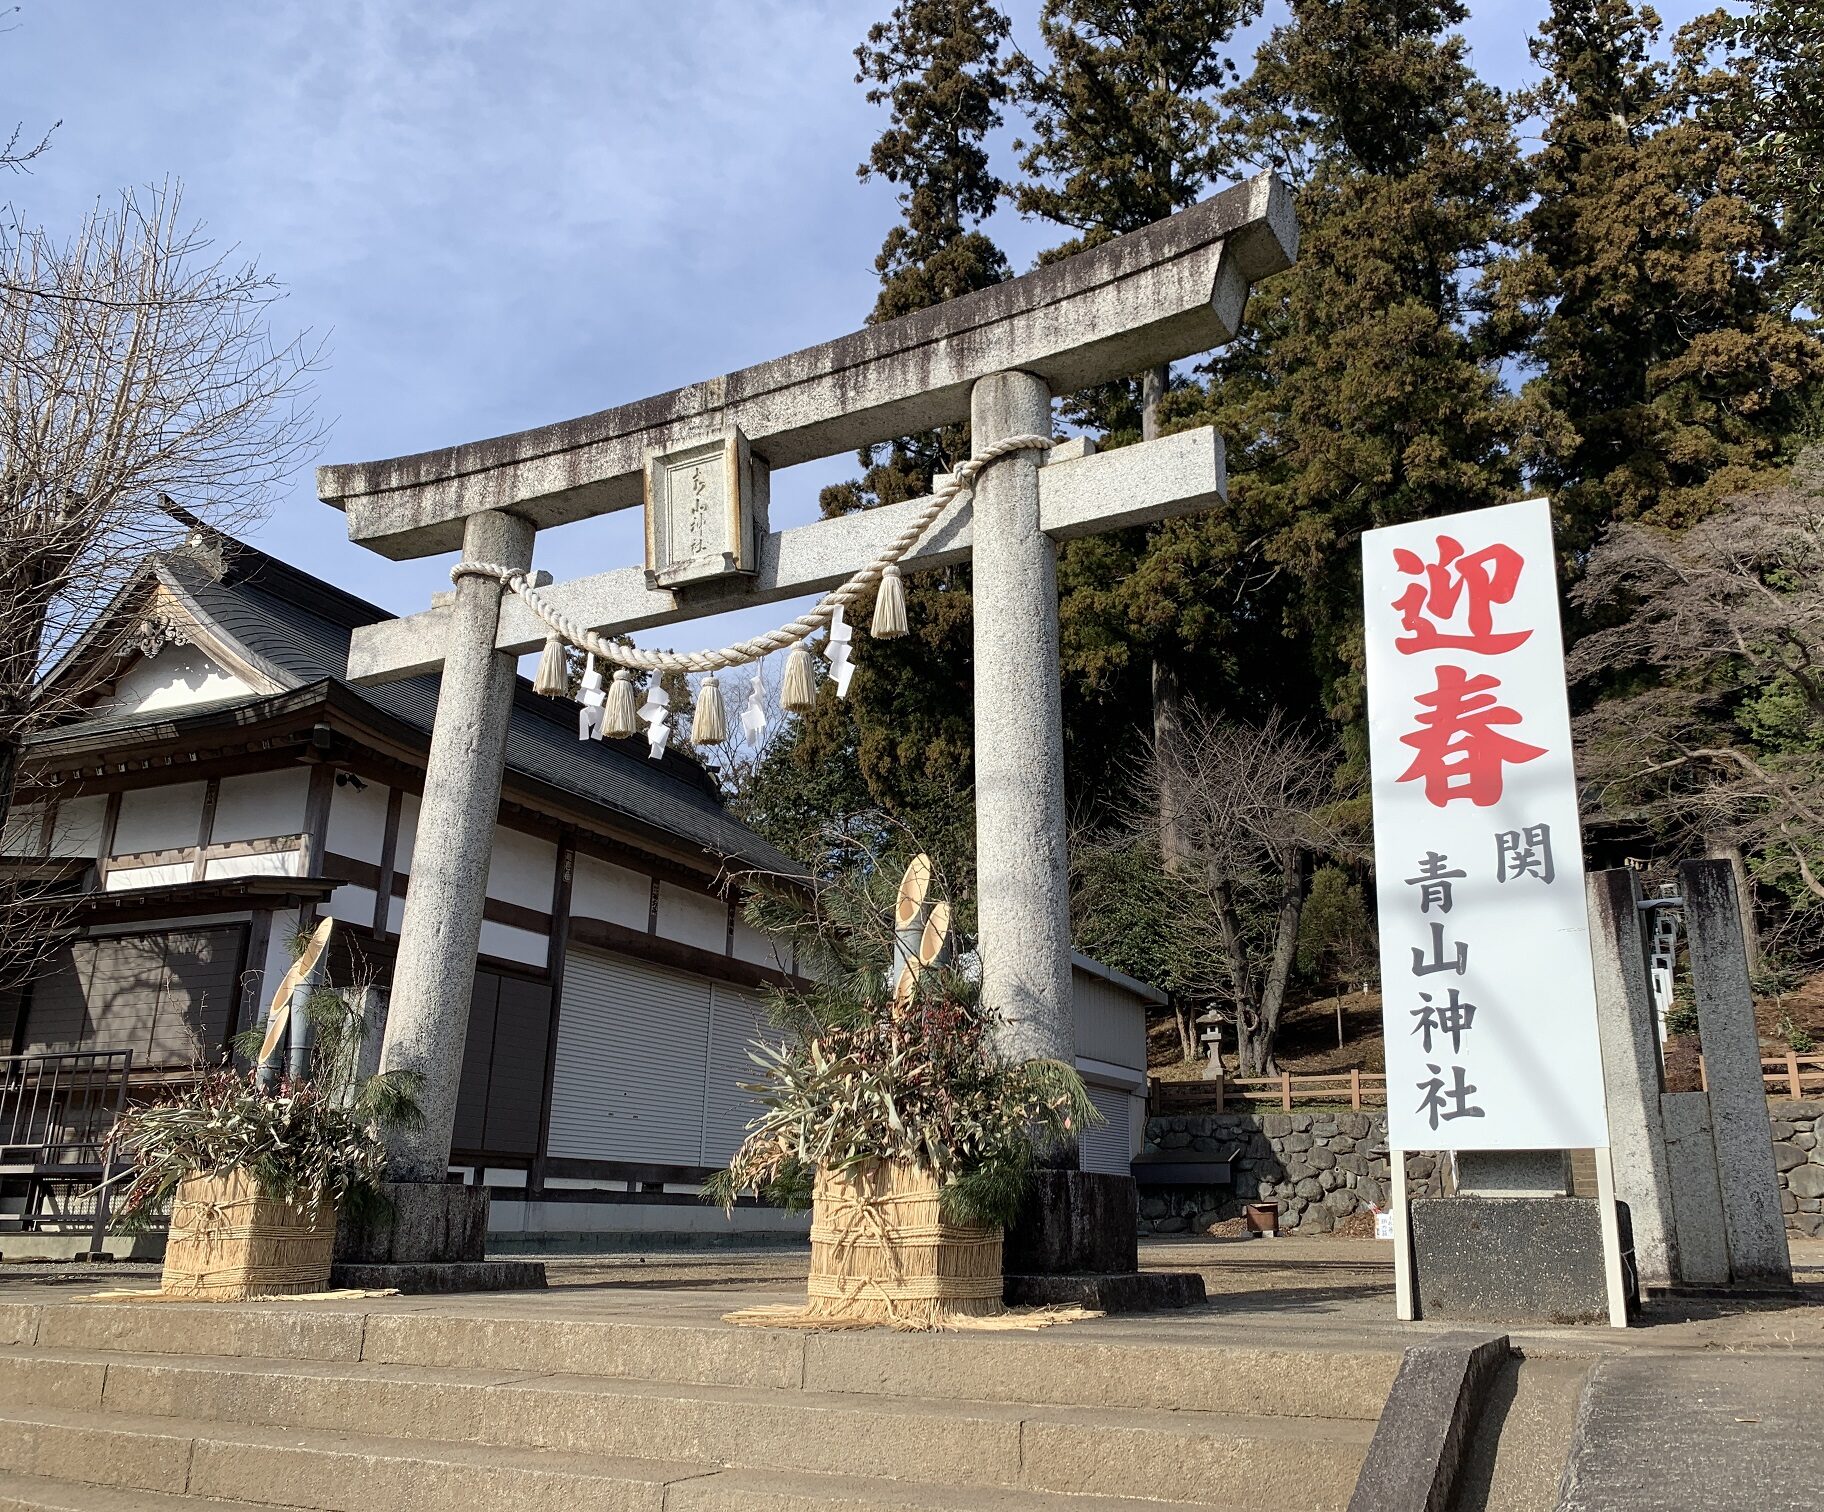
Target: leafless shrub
[
  {"x": 136, "y": 364},
  {"x": 1251, "y": 807},
  {"x": 1710, "y": 659},
  {"x": 141, "y": 391}
]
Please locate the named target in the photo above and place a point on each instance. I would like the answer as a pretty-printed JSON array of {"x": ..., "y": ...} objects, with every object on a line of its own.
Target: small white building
[{"x": 222, "y": 786}]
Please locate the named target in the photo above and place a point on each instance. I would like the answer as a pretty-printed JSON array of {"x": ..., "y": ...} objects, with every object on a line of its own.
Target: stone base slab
[
  {"x": 1076, "y": 1221},
  {"x": 424, "y": 1222},
  {"x": 1125, "y": 1292},
  {"x": 1510, "y": 1259},
  {"x": 427, "y": 1277}
]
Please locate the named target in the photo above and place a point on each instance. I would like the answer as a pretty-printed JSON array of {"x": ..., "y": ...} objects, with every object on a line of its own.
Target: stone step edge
[
  {"x": 330, "y": 1442},
  {"x": 727, "y": 1489},
  {"x": 780, "y": 1353},
  {"x": 20, "y": 1492},
  {"x": 1189, "y": 1422},
  {"x": 685, "y": 1485}
]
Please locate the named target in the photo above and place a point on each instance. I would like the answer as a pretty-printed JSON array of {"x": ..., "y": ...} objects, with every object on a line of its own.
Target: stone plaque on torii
[{"x": 995, "y": 358}]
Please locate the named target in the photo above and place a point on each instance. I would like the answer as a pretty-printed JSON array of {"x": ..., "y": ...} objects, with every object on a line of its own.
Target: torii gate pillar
[{"x": 1022, "y": 871}]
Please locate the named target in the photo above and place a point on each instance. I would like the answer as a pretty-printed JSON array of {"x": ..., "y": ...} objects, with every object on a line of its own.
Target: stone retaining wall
[
  {"x": 1319, "y": 1166},
  {"x": 1797, "y": 1154},
  {"x": 1324, "y": 1166}
]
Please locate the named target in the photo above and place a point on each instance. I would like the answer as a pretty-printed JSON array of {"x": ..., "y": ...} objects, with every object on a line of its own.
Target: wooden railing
[
  {"x": 1353, "y": 1089},
  {"x": 1785, "y": 1076}
]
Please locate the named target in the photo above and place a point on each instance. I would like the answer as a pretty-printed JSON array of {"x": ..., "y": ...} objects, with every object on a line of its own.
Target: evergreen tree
[
  {"x": 1366, "y": 391},
  {"x": 1646, "y": 279},
  {"x": 1125, "y": 130},
  {"x": 1777, "y": 109},
  {"x": 905, "y": 734}
]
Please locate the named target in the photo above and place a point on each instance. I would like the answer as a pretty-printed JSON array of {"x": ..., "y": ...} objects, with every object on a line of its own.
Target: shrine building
[{"x": 220, "y": 786}]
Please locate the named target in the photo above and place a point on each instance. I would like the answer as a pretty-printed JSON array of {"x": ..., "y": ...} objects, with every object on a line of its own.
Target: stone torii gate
[{"x": 996, "y": 357}]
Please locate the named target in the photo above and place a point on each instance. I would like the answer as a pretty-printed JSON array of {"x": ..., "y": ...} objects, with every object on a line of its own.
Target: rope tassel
[
  {"x": 709, "y": 725},
  {"x": 799, "y": 695},
  {"x": 623, "y": 715},
  {"x": 553, "y": 677},
  {"x": 889, "y": 606}
]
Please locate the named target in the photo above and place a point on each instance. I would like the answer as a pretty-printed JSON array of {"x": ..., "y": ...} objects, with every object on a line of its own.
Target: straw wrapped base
[
  {"x": 230, "y": 1241},
  {"x": 882, "y": 1253}
]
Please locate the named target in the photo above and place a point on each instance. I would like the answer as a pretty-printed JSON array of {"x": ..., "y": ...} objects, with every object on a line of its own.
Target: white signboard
[{"x": 1489, "y": 1006}]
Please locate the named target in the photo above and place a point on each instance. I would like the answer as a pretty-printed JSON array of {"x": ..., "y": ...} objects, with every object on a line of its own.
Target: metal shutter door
[
  {"x": 632, "y": 1040},
  {"x": 470, "y": 1129},
  {"x": 57, "y": 1012},
  {"x": 1105, "y": 1146},
  {"x": 516, "y": 1080},
  {"x": 201, "y": 990},
  {"x": 739, "y": 1019}
]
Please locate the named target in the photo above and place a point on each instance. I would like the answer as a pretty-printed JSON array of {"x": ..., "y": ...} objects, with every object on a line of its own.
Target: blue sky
[{"x": 502, "y": 214}]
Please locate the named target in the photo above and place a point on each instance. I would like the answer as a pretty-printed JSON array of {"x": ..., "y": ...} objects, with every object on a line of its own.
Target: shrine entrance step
[{"x": 515, "y": 1403}]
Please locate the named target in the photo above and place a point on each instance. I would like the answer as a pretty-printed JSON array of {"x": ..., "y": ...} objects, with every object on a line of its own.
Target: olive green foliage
[
  {"x": 1129, "y": 912},
  {"x": 1337, "y": 940},
  {"x": 902, "y": 740},
  {"x": 316, "y": 1142},
  {"x": 1366, "y": 391},
  {"x": 863, "y": 1075}
]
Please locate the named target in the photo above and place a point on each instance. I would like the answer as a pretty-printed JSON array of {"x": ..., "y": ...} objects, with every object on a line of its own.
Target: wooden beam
[
  {"x": 603, "y": 935},
  {"x": 560, "y": 950},
  {"x": 389, "y": 853},
  {"x": 1078, "y": 495},
  {"x": 110, "y": 821},
  {"x": 317, "y": 799},
  {"x": 205, "y": 828}
]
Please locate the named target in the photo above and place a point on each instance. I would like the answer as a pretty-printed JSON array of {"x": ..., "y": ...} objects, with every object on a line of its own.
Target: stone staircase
[{"x": 375, "y": 1408}]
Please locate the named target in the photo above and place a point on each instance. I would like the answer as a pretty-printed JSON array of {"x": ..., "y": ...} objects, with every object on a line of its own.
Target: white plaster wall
[
  {"x": 77, "y": 830},
  {"x": 395, "y": 914},
  {"x": 510, "y": 944},
  {"x": 601, "y": 890},
  {"x": 1111, "y": 1023},
  {"x": 357, "y": 821},
  {"x": 522, "y": 869},
  {"x": 408, "y": 833},
  {"x": 159, "y": 818},
  {"x": 752, "y": 945},
  {"x": 278, "y": 958},
  {"x": 122, "y": 878},
  {"x": 21, "y": 835},
  {"x": 177, "y": 676},
  {"x": 693, "y": 919},
  {"x": 260, "y": 804},
  {"x": 351, "y": 905},
  {"x": 267, "y": 864}
]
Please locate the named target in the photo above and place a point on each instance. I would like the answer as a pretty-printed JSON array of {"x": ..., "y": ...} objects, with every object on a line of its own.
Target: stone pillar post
[
  {"x": 428, "y": 1013},
  {"x": 1022, "y": 870},
  {"x": 1627, "y": 1027},
  {"x": 1732, "y": 1066}
]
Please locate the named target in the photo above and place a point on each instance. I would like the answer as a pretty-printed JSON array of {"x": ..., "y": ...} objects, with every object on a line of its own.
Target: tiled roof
[{"x": 299, "y": 625}]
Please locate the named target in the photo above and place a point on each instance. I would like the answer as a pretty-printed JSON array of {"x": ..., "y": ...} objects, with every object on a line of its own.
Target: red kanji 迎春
[{"x": 1460, "y": 752}]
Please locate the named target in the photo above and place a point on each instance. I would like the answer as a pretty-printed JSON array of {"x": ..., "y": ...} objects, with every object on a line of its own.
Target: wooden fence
[
  {"x": 1788, "y": 1076},
  {"x": 1241, "y": 1094}
]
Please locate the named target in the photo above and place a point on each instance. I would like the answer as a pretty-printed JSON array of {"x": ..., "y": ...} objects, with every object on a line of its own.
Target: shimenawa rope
[{"x": 519, "y": 580}]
